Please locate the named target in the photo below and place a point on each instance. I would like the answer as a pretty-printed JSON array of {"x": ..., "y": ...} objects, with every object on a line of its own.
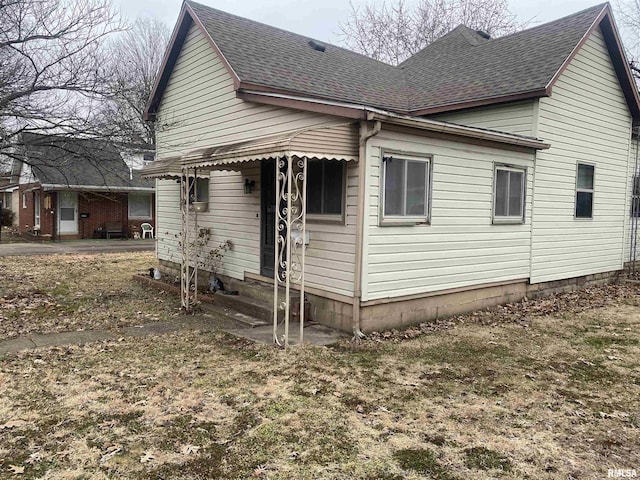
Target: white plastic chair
[{"x": 146, "y": 228}]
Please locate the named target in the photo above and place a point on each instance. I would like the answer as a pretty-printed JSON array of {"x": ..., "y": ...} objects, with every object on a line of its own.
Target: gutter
[
  {"x": 455, "y": 129},
  {"x": 99, "y": 188},
  {"x": 365, "y": 135}
]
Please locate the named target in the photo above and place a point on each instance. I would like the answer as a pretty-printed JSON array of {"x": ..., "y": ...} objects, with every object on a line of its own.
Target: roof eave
[
  {"x": 458, "y": 130},
  {"x": 450, "y": 107},
  {"x": 280, "y": 98},
  {"x": 97, "y": 188}
]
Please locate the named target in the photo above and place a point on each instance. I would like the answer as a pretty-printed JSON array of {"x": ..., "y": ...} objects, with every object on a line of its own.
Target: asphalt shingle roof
[
  {"x": 265, "y": 55},
  {"x": 521, "y": 62},
  {"x": 460, "y": 67},
  {"x": 84, "y": 162}
]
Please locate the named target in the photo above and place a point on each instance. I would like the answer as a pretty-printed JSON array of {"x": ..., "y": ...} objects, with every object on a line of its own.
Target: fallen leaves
[
  {"x": 13, "y": 424},
  {"x": 147, "y": 457},
  {"x": 16, "y": 469},
  {"x": 112, "y": 451},
  {"x": 89, "y": 292},
  {"x": 189, "y": 449},
  {"x": 524, "y": 311}
]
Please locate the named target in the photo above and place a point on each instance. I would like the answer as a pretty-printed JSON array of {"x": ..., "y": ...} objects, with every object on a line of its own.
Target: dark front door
[{"x": 267, "y": 216}]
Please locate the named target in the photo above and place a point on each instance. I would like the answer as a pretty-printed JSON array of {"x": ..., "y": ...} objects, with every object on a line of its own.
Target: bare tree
[
  {"x": 629, "y": 16},
  {"x": 51, "y": 66},
  {"x": 136, "y": 58},
  {"x": 392, "y": 32}
]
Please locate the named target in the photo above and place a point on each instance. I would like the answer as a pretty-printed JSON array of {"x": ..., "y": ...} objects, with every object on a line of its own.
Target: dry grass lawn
[
  {"x": 53, "y": 293},
  {"x": 516, "y": 393}
]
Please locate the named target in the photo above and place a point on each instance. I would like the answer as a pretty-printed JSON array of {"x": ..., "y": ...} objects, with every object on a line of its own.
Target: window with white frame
[
  {"x": 584, "y": 190},
  {"x": 140, "y": 205},
  {"x": 24, "y": 200},
  {"x": 508, "y": 194},
  {"x": 635, "y": 197},
  {"x": 325, "y": 189},
  {"x": 198, "y": 189},
  {"x": 36, "y": 209},
  {"x": 405, "y": 189}
]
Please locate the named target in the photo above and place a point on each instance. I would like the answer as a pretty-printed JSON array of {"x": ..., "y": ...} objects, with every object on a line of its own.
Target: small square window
[
  {"x": 198, "y": 190},
  {"x": 584, "y": 190},
  {"x": 325, "y": 188},
  {"x": 509, "y": 194},
  {"x": 140, "y": 205},
  {"x": 405, "y": 194}
]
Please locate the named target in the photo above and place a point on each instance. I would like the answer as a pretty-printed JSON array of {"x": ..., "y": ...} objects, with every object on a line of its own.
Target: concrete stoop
[
  {"x": 250, "y": 313},
  {"x": 253, "y": 305}
]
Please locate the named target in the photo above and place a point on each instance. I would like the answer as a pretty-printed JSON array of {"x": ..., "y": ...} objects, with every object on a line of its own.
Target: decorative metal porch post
[
  {"x": 290, "y": 249},
  {"x": 188, "y": 273}
]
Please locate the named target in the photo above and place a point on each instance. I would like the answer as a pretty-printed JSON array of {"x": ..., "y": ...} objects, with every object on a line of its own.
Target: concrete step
[
  {"x": 246, "y": 305},
  {"x": 262, "y": 292},
  {"x": 231, "y": 314}
]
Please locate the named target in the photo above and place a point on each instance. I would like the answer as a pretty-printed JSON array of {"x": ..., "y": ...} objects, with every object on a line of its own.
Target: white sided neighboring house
[{"x": 479, "y": 171}]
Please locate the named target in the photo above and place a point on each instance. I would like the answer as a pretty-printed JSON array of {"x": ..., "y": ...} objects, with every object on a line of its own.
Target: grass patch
[
  {"x": 482, "y": 458},
  {"x": 422, "y": 461},
  {"x": 592, "y": 373},
  {"x": 609, "y": 341}
]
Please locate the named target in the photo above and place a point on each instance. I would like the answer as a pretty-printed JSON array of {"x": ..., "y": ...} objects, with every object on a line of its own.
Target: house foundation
[{"x": 384, "y": 314}]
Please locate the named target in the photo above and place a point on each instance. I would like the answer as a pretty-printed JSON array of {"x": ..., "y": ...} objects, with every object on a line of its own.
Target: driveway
[{"x": 76, "y": 246}]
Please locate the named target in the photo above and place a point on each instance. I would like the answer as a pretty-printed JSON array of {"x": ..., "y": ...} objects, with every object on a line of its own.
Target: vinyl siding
[
  {"x": 199, "y": 109},
  {"x": 633, "y": 170},
  {"x": 513, "y": 117},
  {"x": 586, "y": 119},
  {"x": 461, "y": 247},
  {"x": 168, "y": 224}
]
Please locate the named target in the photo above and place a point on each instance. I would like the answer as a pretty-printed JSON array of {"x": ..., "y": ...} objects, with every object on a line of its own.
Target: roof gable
[{"x": 460, "y": 70}]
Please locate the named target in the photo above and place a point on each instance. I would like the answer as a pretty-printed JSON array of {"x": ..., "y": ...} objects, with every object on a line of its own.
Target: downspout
[{"x": 365, "y": 135}]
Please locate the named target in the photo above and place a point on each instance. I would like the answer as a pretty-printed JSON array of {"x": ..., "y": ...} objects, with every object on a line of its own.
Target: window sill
[
  {"x": 582, "y": 219},
  {"x": 319, "y": 218},
  {"x": 404, "y": 222},
  {"x": 140, "y": 218},
  {"x": 508, "y": 221}
]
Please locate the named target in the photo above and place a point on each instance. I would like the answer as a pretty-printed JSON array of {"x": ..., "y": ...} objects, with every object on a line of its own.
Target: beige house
[{"x": 477, "y": 172}]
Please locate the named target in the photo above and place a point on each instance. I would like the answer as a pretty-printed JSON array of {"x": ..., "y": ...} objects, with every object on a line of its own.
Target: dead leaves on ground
[
  {"x": 77, "y": 292},
  {"x": 522, "y": 312}
]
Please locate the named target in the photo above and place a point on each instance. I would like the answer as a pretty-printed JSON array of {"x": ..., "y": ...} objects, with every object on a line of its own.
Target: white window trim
[
  {"x": 332, "y": 217},
  {"x": 509, "y": 219},
  {"x": 405, "y": 220},
  {"x": 24, "y": 200},
  {"x": 592, "y": 191},
  {"x": 37, "y": 211},
  {"x": 635, "y": 198},
  {"x": 141, "y": 217},
  {"x": 199, "y": 193}
]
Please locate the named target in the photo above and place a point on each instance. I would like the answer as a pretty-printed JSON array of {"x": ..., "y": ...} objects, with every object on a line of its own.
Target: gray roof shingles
[
  {"x": 460, "y": 67},
  {"x": 78, "y": 162}
]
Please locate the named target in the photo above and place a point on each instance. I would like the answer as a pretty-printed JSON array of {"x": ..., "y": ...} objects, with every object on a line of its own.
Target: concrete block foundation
[{"x": 401, "y": 312}]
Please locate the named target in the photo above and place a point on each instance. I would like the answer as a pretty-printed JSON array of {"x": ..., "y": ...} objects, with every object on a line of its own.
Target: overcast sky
[{"x": 320, "y": 19}]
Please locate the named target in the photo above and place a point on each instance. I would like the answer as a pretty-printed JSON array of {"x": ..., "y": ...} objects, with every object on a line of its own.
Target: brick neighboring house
[{"x": 78, "y": 188}]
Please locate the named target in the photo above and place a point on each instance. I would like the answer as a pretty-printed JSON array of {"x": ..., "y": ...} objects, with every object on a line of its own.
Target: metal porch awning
[
  {"x": 292, "y": 151},
  {"x": 296, "y": 144}
]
